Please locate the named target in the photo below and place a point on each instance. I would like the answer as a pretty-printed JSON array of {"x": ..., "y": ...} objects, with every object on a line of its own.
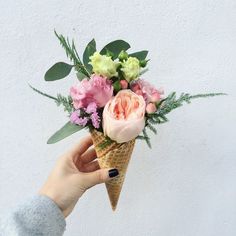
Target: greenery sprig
[
  {"x": 167, "y": 105},
  {"x": 72, "y": 54},
  {"x": 66, "y": 102},
  {"x": 145, "y": 137},
  {"x": 172, "y": 102}
]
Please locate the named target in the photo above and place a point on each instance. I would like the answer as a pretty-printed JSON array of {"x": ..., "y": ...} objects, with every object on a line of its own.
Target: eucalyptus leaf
[
  {"x": 67, "y": 130},
  {"x": 89, "y": 51},
  {"x": 58, "y": 71},
  {"x": 115, "y": 47},
  {"x": 141, "y": 55},
  {"x": 80, "y": 76}
]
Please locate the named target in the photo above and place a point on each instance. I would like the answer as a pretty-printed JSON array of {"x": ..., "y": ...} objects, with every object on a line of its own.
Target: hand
[{"x": 74, "y": 173}]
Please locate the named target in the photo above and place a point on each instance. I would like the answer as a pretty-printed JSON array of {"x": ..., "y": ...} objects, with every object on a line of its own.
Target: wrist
[{"x": 52, "y": 196}]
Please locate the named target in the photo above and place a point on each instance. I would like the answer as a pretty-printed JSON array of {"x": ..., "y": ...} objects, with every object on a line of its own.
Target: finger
[
  {"x": 89, "y": 156},
  {"x": 99, "y": 176},
  {"x": 82, "y": 146},
  {"x": 93, "y": 166}
]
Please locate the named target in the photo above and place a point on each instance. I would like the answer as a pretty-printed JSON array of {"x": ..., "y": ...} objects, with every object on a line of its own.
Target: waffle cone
[{"x": 114, "y": 155}]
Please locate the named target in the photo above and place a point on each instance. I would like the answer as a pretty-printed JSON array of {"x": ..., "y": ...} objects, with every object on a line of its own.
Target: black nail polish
[{"x": 113, "y": 173}]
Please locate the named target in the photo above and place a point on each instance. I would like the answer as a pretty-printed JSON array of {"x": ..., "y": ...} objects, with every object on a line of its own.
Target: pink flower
[
  {"x": 76, "y": 119},
  {"x": 89, "y": 114},
  {"x": 145, "y": 89},
  {"x": 91, "y": 108},
  {"x": 73, "y": 117},
  {"x": 124, "y": 84},
  {"x": 123, "y": 116},
  {"x": 95, "y": 120},
  {"x": 96, "y": 90},
  {"x": 151, "y": 108}
]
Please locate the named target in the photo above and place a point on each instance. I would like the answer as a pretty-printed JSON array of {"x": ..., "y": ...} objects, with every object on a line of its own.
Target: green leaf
[
  {"x": 143, "y": 71},
  {"x": 89, "y": 51},
  {"x": 42, "y": 93},
  {"x": 58, "y": 71},
  {"x": 80, "y": 76},
  {"x": 117, "y": 86},
  {"x": 64, "y": 132},
  {"x": 115, "y": 47},
  {"x": 141, "y": 55}
]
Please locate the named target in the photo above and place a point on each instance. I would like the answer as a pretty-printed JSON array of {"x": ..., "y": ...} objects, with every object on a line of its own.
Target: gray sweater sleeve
[{"x": 39, "y": 216}]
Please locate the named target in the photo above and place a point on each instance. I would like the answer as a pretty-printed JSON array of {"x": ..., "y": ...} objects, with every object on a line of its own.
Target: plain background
[{"x": 185, "y": 185}]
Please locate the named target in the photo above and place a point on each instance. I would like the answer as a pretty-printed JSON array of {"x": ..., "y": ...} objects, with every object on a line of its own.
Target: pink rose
[
  {"x": 123, "y": 116},
  {"x": 148, "y": 91},
  {"x": 124, "y": 84},
  {"x": 151, "y": 108},
  {"x": 96, "y": 90}
]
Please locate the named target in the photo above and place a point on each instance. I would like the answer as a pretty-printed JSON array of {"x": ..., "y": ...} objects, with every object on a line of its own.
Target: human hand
[{"x": 74, "y": 173}]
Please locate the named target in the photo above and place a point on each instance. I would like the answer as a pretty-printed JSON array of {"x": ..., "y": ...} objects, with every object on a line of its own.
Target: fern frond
[
  {"x": 171, "y": 102},
  {"x": 151, "y": 127},
  {"x": 206, "y": 95},
  {"x": 72, "y": 53},
  {"x": 42, "y": 93},
  {"x": 156, "y": 118},
  {"x": 147, "y": 139},
  {"x": 60, "y": 100},
  {"x": 140, "y": 137},
  {"x": 66, "y": 102},
  {"x": 165, "y": 106}
]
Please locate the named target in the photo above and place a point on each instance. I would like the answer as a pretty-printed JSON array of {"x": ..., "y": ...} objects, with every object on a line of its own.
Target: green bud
[
  {"x": 143, "y": 63},
  {"x": 123, "y": 55}
]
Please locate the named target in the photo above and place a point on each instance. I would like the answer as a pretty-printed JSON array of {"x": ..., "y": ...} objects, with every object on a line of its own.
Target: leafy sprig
[
  {"x": 72, "y": 54},
  {"x": 172, "y": 102},
  {"x": 42, "y": 93},
  {"x": 167, "y": 105},
  {"x": 145, "y": 137},
  {"x": 66, "y": 102}
]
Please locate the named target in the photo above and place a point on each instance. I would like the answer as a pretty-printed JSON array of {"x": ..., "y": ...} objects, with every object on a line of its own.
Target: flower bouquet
[{"x": 113, "y": 102}]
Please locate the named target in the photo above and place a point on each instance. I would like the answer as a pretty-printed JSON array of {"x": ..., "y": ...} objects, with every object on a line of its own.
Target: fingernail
[{"x": 113, "y": 173}]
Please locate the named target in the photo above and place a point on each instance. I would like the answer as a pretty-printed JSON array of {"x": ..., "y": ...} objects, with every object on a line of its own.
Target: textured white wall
[{"x": 185, "y": 185}]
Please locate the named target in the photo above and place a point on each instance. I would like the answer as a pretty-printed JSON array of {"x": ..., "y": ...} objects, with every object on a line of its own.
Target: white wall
[{"x": 185, "y": 185}]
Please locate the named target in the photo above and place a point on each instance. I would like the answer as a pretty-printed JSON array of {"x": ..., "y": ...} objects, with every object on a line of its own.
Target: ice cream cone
[{"x": 113, "y": 155}]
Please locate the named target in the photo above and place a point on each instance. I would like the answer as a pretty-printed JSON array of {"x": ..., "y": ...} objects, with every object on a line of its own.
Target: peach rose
[{"x": 123, "y": 116}]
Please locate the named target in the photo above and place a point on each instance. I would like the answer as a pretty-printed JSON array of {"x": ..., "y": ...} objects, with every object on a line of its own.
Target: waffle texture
[{"x": 115, "y": 155}]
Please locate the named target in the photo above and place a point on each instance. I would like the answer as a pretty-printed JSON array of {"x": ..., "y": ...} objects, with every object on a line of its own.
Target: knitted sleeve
[{"x": 39, "y": 216}]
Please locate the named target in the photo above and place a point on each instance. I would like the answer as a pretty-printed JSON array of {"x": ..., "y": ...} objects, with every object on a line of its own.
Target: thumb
[{"x": 99, "y": 176}]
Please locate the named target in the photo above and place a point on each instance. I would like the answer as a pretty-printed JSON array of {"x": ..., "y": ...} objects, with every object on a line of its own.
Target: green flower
[
  {"x": 103, "y": 65},
  {"x": 131, "y": 68}
]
